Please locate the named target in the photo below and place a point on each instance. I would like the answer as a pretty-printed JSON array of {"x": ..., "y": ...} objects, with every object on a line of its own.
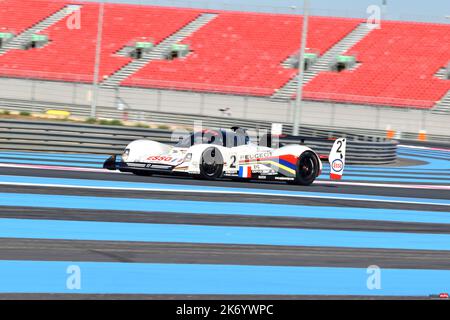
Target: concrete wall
[{"x": 252, "y": 108}]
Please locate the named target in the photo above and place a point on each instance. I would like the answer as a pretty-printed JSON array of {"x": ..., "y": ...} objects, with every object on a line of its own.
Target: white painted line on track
[
  {"x": 384, "y": 185},
  {"x": 424, "y": 148},
  {"x": 264, "y": 192},
  {"x": 61, "y": 168},
  {"x": 324, "y": 182}
]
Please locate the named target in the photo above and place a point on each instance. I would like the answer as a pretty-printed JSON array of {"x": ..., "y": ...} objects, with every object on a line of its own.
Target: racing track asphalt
[
  {"x": 198, "y": 253},
  {"x": 148, "y": 252},
  {"x": 336, "y": 188}
]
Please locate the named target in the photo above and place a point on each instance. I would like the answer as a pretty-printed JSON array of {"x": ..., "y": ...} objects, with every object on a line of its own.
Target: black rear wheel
[
  {"x": 211, "y": 166},
  {"x": 307, "y": 168}
]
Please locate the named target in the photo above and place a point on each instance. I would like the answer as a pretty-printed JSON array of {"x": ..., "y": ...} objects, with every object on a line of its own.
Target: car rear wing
[{"x": 335, "y": 157}]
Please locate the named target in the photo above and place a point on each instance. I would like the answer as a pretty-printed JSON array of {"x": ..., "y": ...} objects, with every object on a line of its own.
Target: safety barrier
[
  {"x": 53, "y": 136},
  {"x": 158, "y": 117}
]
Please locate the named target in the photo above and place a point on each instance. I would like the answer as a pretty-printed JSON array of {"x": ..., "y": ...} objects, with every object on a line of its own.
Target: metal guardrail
[
  {"x": 52, "y": 136},
  {"x": 359, "y": 152},
  {"x": 208, "y": 121}
]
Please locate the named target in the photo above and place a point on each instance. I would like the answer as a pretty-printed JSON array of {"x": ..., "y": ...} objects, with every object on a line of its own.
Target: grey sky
[{"x": 430, "y": 10}]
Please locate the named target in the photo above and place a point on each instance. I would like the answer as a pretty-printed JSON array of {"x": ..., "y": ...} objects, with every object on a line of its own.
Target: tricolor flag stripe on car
[
  {"x": 288, "y": 164},
  {"x": 245, "y": 172},
  {"x": 285, "y": 164},
  {"x": 276, "y": 166}
]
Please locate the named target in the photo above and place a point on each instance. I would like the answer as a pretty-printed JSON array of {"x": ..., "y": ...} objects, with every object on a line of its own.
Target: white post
[
  {"x": 301, "y": 69},
  {"x": 384, "y": 9},
  {"x": 98, "y": 52}
]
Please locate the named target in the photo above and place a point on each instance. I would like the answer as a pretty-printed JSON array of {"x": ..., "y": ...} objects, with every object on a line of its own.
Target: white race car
[{"x": 213, "y": 154}]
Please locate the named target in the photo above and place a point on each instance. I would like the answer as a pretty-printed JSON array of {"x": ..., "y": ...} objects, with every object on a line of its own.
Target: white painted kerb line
[
  {"x": 348, "y": 183},
  {"x": 67, "y": 186}
]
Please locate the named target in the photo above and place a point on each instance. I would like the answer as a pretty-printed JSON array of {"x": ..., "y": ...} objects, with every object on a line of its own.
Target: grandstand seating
[
  {"x": 398, "y": 64},
  {"x": 70, "y": 56},
  {"x": 19, "y": 15},
  {"x": 241, "y": 53},
  {"x": 237, "y": 52}
]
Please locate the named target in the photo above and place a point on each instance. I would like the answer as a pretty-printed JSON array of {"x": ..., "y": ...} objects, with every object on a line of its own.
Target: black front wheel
[
  {"x": 307, "y": 168},
  {"x": 211, "y": 165}
]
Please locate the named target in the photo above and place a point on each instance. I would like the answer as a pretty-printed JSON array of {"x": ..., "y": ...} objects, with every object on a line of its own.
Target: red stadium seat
[
  {"x": 70, "y": 56},
  {"x": 19, "y": 15},
  {"x": 241, "y": 53},
  {"x": 235, "y": 53},
  {"x": 399, "y": 62}
]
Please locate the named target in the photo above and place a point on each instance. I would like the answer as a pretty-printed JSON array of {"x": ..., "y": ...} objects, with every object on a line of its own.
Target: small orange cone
[
  {"x": 390, "y": 133},
  {"x": 422, "y": 135}
]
